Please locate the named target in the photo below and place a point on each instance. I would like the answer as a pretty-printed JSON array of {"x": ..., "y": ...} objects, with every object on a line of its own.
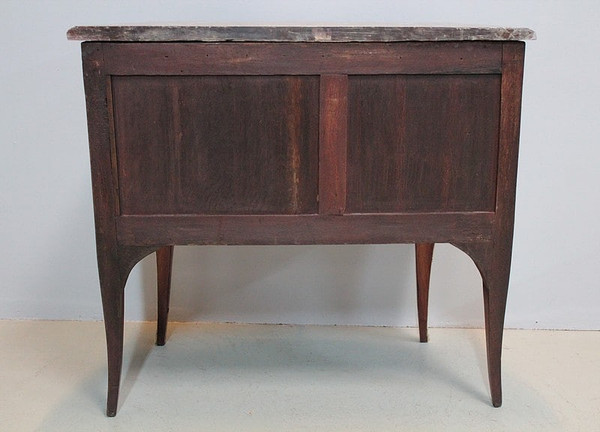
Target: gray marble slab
[{"x": 295, "y": 34}]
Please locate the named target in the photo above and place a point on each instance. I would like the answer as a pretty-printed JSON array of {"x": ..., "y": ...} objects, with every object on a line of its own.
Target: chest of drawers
[{"x": 267, "y": 135}]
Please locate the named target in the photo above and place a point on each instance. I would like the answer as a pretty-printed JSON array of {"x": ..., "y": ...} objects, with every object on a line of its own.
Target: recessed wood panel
[
  {"x": 422, "y": 143},
  {"x": 217, "y": 144}
]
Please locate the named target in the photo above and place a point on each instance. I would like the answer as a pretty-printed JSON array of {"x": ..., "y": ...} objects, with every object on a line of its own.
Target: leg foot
[
  {"x": 112, "y": 291},
  {"x": 164, "y": 265},
  {"x": 494, "y": 305},
  {"x": 493, "y": 262},
  {"x": 424, "y": 256},
  {"x": 114, "y": 266}
]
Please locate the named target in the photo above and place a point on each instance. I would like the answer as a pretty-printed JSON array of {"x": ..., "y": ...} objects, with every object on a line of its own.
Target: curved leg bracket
[
  {"x": 114, "y": 267},
  {"x": 493, "y": 263}
]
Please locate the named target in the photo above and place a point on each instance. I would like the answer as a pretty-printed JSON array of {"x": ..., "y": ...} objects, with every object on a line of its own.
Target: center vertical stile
[{"x": 333, "y": 138}]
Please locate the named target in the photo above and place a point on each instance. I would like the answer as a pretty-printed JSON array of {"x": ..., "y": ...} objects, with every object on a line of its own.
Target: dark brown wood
[
  {"x": 109, "y": 267},
  {"x": 333, "y": 137},
  {"x": 164, "y": 266},
  {"x": 302, "y": 58},
  {"x": 496, "y": 288},
  {"x": 115, "y": 260},
  {"x": 305, "y": 229},
  {"x": 300, "y": 143},
  {"x": 424, "y": 256},
  {"x": 409, "y": 149},
  {"x": 493, "y": 258},
  {"x": 241, "y": 145}
]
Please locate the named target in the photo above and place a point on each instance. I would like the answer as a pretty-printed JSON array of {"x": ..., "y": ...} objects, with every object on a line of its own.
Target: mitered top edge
[{"x": 295, "y": 34}]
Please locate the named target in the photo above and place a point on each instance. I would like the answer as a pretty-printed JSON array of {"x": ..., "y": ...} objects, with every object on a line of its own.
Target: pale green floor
[{"x": 227, "y": 377}]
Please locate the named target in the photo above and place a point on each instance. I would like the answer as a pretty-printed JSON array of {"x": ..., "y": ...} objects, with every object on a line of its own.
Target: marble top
[{"x": 295, "y": 34}]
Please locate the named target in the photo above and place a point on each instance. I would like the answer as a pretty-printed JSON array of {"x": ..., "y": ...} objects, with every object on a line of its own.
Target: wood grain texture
[
  {"x": 305, "y": 229},
  {"x": 493, "y": 258},
  {"x": 217, "y": 145},
  {"x": 423, "y": 143},
  {"x": 302, "y": 58},
  {"x": 115, "y": 260},
  {"x": 333, "y": 136},
  {"x": 298, "y": 34},
  {"x": 496, "y": 287},
  {"x": 109, "y": 263}
]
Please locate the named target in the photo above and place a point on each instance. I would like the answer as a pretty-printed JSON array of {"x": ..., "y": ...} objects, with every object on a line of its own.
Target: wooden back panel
[
  {"x": 221, "y": 142},
  {"x": 422, "y": 143},
  {"x": 216, "y": 144}
]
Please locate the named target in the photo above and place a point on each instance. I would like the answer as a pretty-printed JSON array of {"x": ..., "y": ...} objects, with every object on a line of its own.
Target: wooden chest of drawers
[{"x": 214, "y": 135}]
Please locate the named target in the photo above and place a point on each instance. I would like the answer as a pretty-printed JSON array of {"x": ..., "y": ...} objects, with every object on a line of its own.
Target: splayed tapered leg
[
  {"x": 493, "y": 262},
  {"x": 112, "y": 290},
  {"x": 114, "y": 266},
  {"x": 494, "y": 295},
  {"x": 164, "y": 265},
  {"x": 424, "y": 256}
]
